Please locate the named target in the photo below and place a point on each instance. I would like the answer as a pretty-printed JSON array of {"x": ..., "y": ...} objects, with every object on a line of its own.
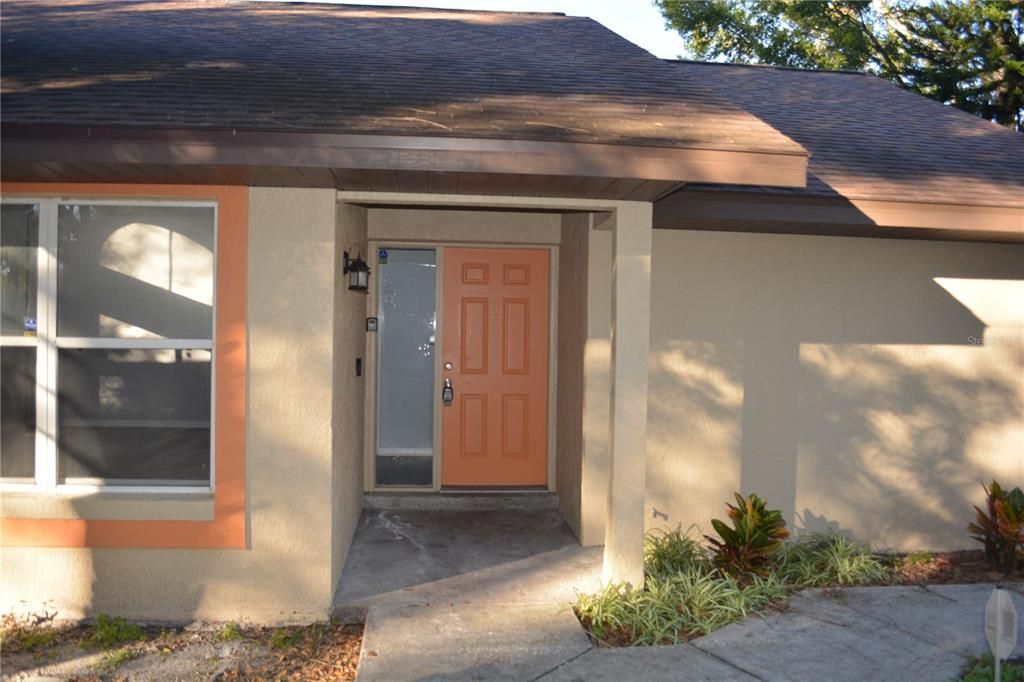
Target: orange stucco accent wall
[{"x": 227, "y": 530}]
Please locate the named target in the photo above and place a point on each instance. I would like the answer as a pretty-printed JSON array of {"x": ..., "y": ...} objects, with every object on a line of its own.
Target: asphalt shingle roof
[
  {"x": 870, "y": 139},
  {"x": 408, "y": 71},
  {"x": 322, "y": 67}
]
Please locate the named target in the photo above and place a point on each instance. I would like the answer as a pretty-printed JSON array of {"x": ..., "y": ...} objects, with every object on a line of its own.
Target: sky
[{"x": 636, "y": 20}]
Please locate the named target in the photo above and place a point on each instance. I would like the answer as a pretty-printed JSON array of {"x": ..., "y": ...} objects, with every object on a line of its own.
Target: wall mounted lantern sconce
[{"x": 358, "y": 273}]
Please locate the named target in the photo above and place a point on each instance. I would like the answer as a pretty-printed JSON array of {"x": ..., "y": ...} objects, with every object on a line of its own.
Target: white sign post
[{"x": 1000, "y": 627}]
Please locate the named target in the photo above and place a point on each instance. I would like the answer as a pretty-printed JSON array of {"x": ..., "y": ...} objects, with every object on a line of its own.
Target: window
[
  {"x": 19, "y": 256},
  {"x": 107, "y": 344}
]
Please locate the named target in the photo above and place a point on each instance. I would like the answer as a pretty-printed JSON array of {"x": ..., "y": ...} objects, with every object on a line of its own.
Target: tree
[{"x": 968, "y": 53}]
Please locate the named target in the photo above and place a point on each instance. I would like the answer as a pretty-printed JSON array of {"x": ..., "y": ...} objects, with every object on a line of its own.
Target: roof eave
[
  {"x": 27, "y": 143},
  {"x": 806, "y": 214}
]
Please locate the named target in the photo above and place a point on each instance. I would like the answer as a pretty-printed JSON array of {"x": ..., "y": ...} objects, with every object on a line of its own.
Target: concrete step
[
  {"x": 529, "y": 500},
  {"x": 552, "y": 577},
  {"x": 510, "y": 642}
]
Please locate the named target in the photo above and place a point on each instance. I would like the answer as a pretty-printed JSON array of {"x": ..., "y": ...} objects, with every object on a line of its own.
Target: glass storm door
[{"x": 406, "y": 313}]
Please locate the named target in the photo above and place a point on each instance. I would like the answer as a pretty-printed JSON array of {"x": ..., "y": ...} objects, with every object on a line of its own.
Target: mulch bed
[
  {"x": 318, "y": 652},
  {"x": 941, "y": 568}
]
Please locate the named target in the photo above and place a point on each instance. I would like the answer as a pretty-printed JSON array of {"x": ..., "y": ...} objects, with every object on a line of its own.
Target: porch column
[{"x": 627, "y": 438}]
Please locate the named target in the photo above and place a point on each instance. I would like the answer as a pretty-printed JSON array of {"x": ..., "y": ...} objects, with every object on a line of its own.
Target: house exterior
[{"x": 640, "y": 285}]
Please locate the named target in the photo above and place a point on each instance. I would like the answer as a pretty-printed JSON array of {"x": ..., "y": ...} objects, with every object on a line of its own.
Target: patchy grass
[
  {"x": 983, "y": 669},
  {"x": 317, "y": 652},
  {"x": 112, "y": 660},
  {"x": 935, "y": 568},
  {"x": 917, "y": 559},
  {"x": 31, "y": 640},
  {"x": 29, "y": 634},
  {"x": 321, "y": 651},
  {"x": 110, "y": 631},
  {"x": 285, "y": 638},
  {"x": 230, "y": 632}
]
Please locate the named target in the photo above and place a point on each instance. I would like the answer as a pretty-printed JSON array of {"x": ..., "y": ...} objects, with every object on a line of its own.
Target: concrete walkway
[
  {"x": 508, "y": 618},
  {"x": 856, "y": 634}
]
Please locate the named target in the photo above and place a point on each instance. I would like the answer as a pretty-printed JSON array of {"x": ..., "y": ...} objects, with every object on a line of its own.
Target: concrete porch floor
[
  {"x": 403, "y": 543},
  {"x": 436, "y": 585}
]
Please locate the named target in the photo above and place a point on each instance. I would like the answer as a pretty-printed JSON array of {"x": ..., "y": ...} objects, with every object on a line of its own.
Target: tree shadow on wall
[{"x": 836, "y": 374}]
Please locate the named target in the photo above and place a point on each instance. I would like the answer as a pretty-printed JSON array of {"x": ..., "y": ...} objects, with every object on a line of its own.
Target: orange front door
[{"x": 495, "y": 339}]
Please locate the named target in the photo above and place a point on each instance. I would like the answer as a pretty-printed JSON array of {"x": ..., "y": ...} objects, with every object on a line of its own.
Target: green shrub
[
  {"x": 672, "y": 551},
  {"x": 109, "y": 631},
  {"x": 817, "y": 560},
  {"x": 756, "y": 535},
  {"x": 673, "y": 608},
  {"x": 1000, "y": 528},
  {"x": 983, "y": 669}
]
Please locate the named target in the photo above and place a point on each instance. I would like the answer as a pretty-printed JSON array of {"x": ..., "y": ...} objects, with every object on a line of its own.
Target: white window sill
[{"x": 109, "y": 506}]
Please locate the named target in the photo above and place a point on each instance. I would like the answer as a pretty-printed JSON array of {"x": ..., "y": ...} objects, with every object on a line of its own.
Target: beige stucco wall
[
  {"x": 864, "y": 384},
  {"x": 348, "y": 405},
  {"x": 571, "y": 341},
  {"x": 463, "y": 225},
  {"x": 287, "y": 572},
  {"x": 597, "y": 360},
  {"x": 858, "y": 384}
]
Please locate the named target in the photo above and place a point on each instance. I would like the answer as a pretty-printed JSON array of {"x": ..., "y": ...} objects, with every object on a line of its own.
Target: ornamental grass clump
[
  {"x": 667, "y": 552},
  {"x": 708, "y": 601},
  {"x": 820, "y": 560},
  {"x": 620, "y": 615},
  {"x": 673, "y": 608}
]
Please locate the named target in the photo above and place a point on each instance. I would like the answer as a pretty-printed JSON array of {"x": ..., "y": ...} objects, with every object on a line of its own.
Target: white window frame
[{"x": 47, "y": 344}]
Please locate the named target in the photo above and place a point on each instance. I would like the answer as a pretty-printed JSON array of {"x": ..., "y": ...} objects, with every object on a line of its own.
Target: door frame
[{"x": 372, "y": 366}]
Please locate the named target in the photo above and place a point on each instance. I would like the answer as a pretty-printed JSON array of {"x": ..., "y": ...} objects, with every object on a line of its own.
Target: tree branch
[{"x": 882, "y": 53}]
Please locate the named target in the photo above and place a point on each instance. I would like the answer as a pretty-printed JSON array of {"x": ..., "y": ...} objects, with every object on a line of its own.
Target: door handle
[{"x": 447, "y": 393}]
